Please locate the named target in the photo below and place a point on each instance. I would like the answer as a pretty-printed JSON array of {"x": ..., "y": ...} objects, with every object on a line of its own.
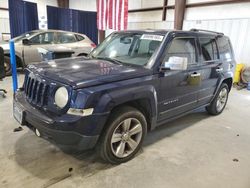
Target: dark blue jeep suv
[{"x": 131, "y": 83}]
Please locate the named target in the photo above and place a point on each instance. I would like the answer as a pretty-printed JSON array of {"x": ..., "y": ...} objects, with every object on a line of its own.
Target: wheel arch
[
  {"x": 142, "y": 98},
  {"x": 82, "y": 54},
  {"x": 143, "y": 105},
  {"x": 19, "y": 61},
  {"x": 229, "y": 82}
]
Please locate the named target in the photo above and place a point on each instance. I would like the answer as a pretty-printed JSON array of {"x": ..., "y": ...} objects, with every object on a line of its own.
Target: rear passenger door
[
  {"x": 210, "y": 69},
  {"x": 70, "y": 41}
]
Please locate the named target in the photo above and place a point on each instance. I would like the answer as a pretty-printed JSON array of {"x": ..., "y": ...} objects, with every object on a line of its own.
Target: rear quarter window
[
  {"x": 66, "y": 38},
  {"x": 79, "y": 37},
  {"x": 225, "y": 49}
]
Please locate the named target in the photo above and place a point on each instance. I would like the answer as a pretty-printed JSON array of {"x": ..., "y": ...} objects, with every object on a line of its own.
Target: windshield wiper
[{"x": 110, "y": 59}]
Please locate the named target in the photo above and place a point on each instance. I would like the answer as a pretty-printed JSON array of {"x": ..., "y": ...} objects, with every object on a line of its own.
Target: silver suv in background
[{"x": 28, "y": 44}]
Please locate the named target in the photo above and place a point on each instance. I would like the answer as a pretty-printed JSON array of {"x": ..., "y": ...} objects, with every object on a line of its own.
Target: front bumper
[{"x": 67, "y": 130}]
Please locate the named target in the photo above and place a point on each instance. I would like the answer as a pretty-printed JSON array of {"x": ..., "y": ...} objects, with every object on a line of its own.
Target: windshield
[
  {"x": 128, "y": 48},
  {"x": 23, "y": 36}
]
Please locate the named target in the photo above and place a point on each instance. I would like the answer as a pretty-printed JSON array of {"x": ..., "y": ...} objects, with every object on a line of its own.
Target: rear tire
[
  {"x": 220, "y": 100},
  {"x": 123, "y": 136}
]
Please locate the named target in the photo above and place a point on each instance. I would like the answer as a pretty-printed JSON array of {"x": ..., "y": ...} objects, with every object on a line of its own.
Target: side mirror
[
  {"x": 126, "y": 40},
  {"x": 175, "y": 63},
  {"x": 26, "y": 42},
  {"x": 164, "y": 69}
]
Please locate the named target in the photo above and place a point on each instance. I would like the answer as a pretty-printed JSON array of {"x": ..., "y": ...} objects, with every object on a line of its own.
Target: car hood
[{"x": 82, "y": 72}]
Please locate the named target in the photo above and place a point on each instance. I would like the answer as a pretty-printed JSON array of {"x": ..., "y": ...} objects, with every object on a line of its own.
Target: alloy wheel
[
  {"x": 221, "y": 99},
  {"x": 6, "y": 66},
  {"x": 126, "y": 137}
]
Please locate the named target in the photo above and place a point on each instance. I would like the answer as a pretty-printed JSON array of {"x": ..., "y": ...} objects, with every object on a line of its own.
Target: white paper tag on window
[
  {"x": 152, "y": 37},
  {"x": 177, "y": 63}
]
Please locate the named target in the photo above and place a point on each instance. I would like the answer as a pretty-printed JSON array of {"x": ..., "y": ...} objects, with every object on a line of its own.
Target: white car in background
[{"x": 28, "y": 44}]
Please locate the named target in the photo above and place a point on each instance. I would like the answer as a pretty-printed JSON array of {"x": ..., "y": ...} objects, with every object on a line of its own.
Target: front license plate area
[{"x": 18, "y": 113}]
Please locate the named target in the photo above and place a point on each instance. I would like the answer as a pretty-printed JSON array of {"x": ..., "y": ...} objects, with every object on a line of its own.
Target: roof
[
  {"x": 165, "y": 31},
  {"x": 53, "y": 30},
  {"x": 155, "y": 31}
]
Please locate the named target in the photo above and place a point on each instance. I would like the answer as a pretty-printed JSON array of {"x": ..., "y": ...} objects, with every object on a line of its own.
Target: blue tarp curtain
[
  {"x": 23, "y": 17},
  {"x": 73, "y": 20}
]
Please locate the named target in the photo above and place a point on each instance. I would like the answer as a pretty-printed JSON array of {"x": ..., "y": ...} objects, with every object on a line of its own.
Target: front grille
[{"x": 36, "y": 90}]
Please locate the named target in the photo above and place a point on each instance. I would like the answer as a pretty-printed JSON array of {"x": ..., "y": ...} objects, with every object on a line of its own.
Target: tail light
[{"x": 93, "y": 45}]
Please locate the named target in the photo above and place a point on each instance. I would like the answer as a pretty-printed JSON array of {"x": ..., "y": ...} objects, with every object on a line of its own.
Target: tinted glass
[
  {"x": 182, "y": 47},
  {"x": 224, "y": 49},
  {"x": 79, "y": 37},
  {"x": 66, "y": 38},
  {"x": 129, "y": 48},
  {"x": 208, "y": 49},
  {"x": 23, "y": 36},
  {"x": 44, "y": 38}
]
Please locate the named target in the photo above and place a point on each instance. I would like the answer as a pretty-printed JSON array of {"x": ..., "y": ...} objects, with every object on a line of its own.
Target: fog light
[{"x": 37, "y": 133}]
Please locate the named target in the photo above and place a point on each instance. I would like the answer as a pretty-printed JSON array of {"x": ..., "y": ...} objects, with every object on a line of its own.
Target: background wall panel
[
  {"x": 236, "y": 29},
  {"x": 232, "y": 19}
]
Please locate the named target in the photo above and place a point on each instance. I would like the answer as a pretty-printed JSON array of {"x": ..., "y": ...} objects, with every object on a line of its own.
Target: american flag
[{"x": 112, "y": 14}]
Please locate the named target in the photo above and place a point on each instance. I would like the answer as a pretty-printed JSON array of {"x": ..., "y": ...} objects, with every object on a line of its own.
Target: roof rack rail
[{"x": 207, "y": 31}]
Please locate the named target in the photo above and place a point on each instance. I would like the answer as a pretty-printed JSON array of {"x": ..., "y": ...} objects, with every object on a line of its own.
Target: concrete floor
[{"x": 195, "y": 151}]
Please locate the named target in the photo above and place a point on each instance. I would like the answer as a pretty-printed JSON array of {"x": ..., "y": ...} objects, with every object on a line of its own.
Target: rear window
[
  {"x": 224, "y": 49},
  {"x": 66, "y": 38},
  {"x": 209, "y": 49}
]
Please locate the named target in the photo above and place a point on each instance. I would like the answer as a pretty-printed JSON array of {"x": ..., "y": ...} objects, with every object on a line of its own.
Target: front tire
[
  {"x": 7, "y": 66},
  {"x": 220, "y": 100},
  {"x": 123, "y": 136}
]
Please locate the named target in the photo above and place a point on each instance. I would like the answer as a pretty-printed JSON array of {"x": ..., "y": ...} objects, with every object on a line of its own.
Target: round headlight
[{"x": 61, "y": 97}]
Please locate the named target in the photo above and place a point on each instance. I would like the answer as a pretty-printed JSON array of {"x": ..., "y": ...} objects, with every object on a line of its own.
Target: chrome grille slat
[
  {"x": 38, "y": 93},
  {"x": 43, "y": 92},
  {"x": 33, "y": 94},
  {"x": 36, "y": 90},
  {"x": 30, "y": 88},
  {"x": 27, "y": 86}
]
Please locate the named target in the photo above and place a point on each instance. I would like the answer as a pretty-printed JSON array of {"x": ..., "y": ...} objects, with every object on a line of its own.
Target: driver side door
[
  {"x": 40, "y": 41},
  {"x": 178, "y": 92}
]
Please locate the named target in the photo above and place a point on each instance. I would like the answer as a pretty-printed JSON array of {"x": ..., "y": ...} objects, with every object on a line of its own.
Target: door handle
[
  {"x": 195, "y": 74},
  {"x": 219, "y": 69},
  {"x": 194, "y": 79}
]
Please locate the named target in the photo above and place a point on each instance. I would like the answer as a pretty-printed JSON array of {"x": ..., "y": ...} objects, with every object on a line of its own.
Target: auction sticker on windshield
[{"x": 152, "y": 37}]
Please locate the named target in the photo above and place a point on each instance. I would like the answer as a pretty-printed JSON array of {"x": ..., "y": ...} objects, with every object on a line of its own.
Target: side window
[
  {"x": 224, "y": 49},
  {"x": 43, "y": 38},
  {"x": 209, "y": 50},
  {"x": 79, "y": 37},
  {"x": 65, "y": 38},
  {"x": 184, "y": 48}
]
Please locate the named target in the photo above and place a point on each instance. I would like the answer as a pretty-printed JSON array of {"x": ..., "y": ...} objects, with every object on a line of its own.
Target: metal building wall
[
  {"x": 238, "y": 31},
  {"x": 4, "y": 26},
  {"x": 151, "y": 25}
]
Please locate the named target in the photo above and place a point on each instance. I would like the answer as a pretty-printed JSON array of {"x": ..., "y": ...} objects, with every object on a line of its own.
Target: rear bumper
[{"x": 67, "y": 130}]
